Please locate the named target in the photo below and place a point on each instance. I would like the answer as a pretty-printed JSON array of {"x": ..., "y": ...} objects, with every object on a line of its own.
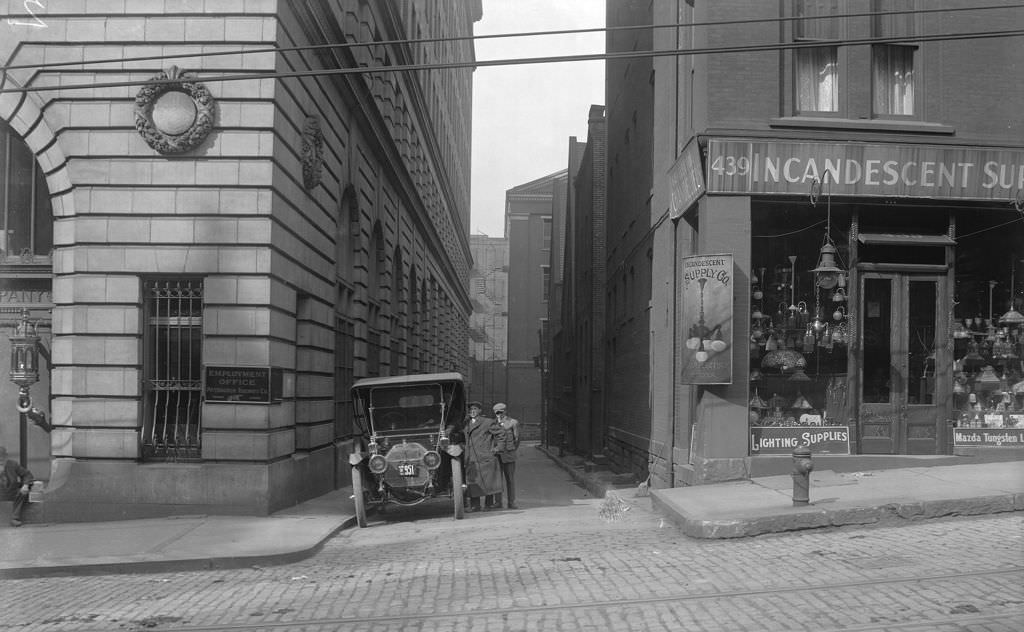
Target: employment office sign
[
  {"x": 864, "y": 169},
  {"x": 242, "y": 384}
]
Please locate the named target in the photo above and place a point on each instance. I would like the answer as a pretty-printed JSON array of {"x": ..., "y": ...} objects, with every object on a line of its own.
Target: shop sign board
[
  {"x": 783, "y": 439},
  {"x": 707, "y": 315},
  {"x": 988, "y": 437},
  {"x": 242, "y": 384},
  {"x": 685, "y": 180},
  {"x": 865, "y": 169}
]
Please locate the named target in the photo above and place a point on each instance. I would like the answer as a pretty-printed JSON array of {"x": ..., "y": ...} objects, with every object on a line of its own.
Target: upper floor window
[
  {"x": 817, "y": 68},
  {"x": 822, "y": 80},
  {"x": 547, "y": 233},
  {"x": 892, "y": 64}
]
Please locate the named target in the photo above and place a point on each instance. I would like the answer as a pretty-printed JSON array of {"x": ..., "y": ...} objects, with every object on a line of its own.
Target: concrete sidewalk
[
  {"x": 892, "y": 493},
  {"x": 724, "y": 510},
  {"x": 765, "y": 505},
  {"x": 173, "y": 544}
]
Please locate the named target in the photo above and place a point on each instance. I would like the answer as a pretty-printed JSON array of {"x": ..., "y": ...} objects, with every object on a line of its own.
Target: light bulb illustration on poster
[{"x": 707, "y": 309}]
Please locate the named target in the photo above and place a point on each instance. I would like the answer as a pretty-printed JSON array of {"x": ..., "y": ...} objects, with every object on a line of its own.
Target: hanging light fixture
[
  {"x": 1012, "y": 317},
  {"x": 827, "y": 274}
]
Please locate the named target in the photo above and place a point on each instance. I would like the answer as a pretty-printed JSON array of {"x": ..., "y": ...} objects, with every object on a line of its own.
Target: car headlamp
[
  {"x": 432, "y": 460},
  {"x": 378, "y": 464}
]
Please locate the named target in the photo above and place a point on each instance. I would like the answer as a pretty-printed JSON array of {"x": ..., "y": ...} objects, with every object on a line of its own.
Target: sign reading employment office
[
  {"x": 864, "y": 169},
  {"x": 242, "y": 384}
]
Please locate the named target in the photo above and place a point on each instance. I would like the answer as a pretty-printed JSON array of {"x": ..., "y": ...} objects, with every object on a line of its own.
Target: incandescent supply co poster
[{"x": 707, "y": 293}]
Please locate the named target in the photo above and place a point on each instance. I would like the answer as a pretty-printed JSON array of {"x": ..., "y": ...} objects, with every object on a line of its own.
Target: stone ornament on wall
[
  {"x": 312, "y": 152},
  {"x": 174, "y": 115}
]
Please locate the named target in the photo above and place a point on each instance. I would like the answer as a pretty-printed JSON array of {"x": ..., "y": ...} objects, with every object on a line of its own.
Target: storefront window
[
  {"x": 988, "y": 325},
  {"x": 799, "y": 322}
]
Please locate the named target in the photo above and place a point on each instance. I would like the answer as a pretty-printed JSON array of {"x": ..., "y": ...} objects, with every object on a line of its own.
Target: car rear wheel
[
  {"x": 457, "y": 496},
  {"x": 358, "y": 495}
]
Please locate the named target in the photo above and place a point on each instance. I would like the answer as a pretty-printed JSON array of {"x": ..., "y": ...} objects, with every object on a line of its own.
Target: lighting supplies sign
[
  {"x": 707, "y": 298},
  {"x": 784, "y": 439}
]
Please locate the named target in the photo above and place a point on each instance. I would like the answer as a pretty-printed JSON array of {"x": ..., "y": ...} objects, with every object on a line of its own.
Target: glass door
[{"x": 903, "y": 367}]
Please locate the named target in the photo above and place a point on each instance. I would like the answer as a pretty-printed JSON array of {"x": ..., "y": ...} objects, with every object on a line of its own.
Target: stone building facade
[{"x": 244, "y": 220}]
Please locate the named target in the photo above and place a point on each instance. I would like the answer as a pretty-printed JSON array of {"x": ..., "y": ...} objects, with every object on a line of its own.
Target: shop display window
[
  {"x": 799, "y": 322},
  {"x": 988, "y": 325}
]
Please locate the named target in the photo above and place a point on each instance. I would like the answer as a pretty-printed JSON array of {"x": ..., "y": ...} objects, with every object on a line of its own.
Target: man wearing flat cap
[
  {"x": 508, "y": 444},
  {"x": 483, "y": 470}
]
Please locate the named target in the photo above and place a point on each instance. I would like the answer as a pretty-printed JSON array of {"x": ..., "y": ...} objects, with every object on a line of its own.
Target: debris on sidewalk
[{"x": 612, "y": 507}]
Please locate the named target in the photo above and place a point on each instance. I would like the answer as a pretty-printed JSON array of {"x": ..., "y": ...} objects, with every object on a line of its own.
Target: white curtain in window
[
  {"x": 817, "y": 79},
  {"x": 894, "y": 80}
]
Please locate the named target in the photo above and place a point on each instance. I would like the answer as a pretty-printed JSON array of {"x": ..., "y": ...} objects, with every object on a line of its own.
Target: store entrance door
[{"x": 903, "y": 369}]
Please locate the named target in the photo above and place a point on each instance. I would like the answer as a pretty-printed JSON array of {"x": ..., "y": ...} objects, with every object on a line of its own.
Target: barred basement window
[{"x": 172, "y": 378}]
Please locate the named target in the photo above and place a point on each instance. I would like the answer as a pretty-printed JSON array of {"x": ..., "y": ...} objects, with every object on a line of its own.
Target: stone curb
[
  {"x": 176, "y": 565},
  {"x": 815, "y": 518}
]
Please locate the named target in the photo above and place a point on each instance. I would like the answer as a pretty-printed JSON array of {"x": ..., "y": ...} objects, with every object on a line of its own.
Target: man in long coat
[{"x": 483, "y": 470}]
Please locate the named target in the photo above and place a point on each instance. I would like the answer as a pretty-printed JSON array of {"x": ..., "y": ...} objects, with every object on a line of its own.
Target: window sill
[{"x": 866, "y": 125}]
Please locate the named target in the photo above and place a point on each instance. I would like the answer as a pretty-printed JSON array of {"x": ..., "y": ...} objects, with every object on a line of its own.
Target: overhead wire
[
  {"x": 250, "y": 76},
  {"x": 434, "y": 40}
]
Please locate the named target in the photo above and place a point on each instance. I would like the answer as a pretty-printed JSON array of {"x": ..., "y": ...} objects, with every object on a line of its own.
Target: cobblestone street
[{"x": 563, "y": 563}]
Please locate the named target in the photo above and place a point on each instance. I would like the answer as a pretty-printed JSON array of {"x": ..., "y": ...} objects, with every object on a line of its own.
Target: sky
[{"x": 523, "y": 115}]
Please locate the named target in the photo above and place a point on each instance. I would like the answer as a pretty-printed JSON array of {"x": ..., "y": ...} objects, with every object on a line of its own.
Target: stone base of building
[
  {"x": 91, "y": 491},
  {"x": 707, "y": 471}
]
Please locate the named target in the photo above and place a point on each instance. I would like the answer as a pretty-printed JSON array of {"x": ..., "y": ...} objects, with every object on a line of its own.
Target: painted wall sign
[
  {"x": 242, "y": 384},
  {"x": 707, "y": 299},
  {"x": 783, "y": 439},
  {"x": 865, "y": 169},
  {"x": 988, "y": 437},
  {"x": 685, "y": 180}
]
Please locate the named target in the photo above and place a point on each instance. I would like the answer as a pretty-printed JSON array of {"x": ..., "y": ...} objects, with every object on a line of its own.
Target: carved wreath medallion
[
  {"x": 174, "y": 115},
  {"x": 312, "y": 152}
]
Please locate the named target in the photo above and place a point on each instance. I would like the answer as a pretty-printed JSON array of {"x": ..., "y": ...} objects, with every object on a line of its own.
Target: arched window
[
  {"x": 399, "y": 311},
  {"x": 375, "y": 270},
  {"x": 347, "y": 229},
  {"x": 26, "y": 216}
]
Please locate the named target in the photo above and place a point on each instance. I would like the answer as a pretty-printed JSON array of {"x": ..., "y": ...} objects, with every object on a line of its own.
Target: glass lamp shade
[
  {"x": 1012, "y": 317},
  {"x": 757, "y": 403},
  {"x": 24, "y": 353},
  {"x": 802, "y": 402},
  {"x": 827, "y": 273},
  {"x": 799, "y": 376}
]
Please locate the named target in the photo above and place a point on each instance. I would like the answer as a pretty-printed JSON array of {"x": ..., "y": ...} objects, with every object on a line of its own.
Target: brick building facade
[{"x": 857, "y": 175}]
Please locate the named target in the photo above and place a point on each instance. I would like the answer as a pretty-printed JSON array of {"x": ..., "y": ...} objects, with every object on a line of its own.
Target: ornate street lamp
[{"x": 25, "y": 350}]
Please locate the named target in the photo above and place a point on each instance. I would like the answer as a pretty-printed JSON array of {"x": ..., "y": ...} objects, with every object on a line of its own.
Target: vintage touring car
[{"x": 411, "y": 445}]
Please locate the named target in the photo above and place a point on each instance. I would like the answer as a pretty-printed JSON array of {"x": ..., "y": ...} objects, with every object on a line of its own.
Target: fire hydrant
[{"x": 802, "y": 467}]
